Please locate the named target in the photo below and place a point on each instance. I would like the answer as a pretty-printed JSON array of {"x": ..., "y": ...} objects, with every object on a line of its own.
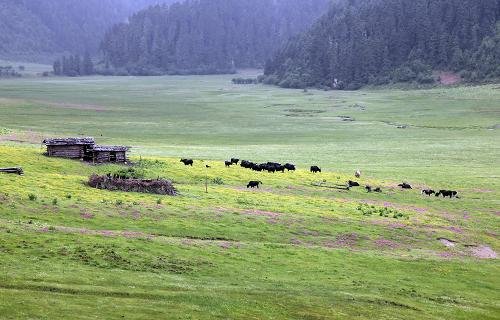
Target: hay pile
[{"x": 159, "y": 186}]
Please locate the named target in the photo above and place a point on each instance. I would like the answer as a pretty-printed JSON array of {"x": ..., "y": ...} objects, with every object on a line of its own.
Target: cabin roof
[
  {"x": 110, "y": 148},
  {"x": 69, "y": 141}
]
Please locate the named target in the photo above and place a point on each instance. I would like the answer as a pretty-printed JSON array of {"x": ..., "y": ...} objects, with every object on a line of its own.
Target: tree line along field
[{"x": 287, "y": 250}]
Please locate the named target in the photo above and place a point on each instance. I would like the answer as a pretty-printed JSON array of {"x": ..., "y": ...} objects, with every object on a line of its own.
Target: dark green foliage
[
  {"x": 74, "y": 66},
  {"x": 205, "y": 36},
  {"x": 41, "y": 29},
  {"x": 8, "y": 72},
  {"x": 244, "y": 81},
  {"x": 128, "y": 173},
  {"x": 218, "y": 181},
  {"x": 368, "y": 210},
  {"x": 362, "y": 42}
]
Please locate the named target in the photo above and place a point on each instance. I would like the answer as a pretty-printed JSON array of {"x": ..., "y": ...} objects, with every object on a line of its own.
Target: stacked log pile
[
  {"x": 159, "y": 186},
  {"x": 18, "y": 171}
]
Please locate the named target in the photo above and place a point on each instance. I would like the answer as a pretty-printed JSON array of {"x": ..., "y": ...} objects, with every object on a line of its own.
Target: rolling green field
[{"x": 290, "y": 250}]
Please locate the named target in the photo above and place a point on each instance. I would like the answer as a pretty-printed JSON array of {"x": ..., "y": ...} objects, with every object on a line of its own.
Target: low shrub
[
  {"x": 368, "y": 210},
  {"x": 32, "y": 197},
  {"x": 218, "y": 181}
]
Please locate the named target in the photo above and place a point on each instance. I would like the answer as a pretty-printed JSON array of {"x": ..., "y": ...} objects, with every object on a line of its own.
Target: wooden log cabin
[
  {"x": 72, "y": 148},
  {"x": 85, "y": 149},
  {"x": 113, "y": 154}
]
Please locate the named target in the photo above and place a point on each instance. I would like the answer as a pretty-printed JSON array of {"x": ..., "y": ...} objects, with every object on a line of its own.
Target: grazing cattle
[
  {"x": 270, "y": 169},
  {"x": 428, "y": 192},
  {"x": 187, "y": 162},
  {"x": 207, "y": 166},
  {"x": 447, "y": 193},
  {"x": 257, "y": 167},
  {"x": 368, "y": 189},
  {"x": 405, "y": 185},
  {"x": 290, "y": 167},
  {"x": 235, "y": 161},
  {"x": 247, "y": 164},
  {"x": 228, "y": 163},
  {"x": 352, "y": 184},
  {"x": 315, "y": 169},
  {"x": 357, "y": 174},
  {"x": 280, "y": 168},
  {"x": 377, "y": 189},
  {"x": 254, "y": 184}
]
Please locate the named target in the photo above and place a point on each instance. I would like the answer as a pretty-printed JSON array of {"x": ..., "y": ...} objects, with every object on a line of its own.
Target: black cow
[
  {"x": 247, "y": 164},
  {"x": 254, "y": 184},
  {"x": 377, "y": 189},
  {"x": 235, "y": 161},
  {"x": 290, "y": 167},
  {"x": 428, "y": 192},
  {"x": 228, "y": 163},
  {"x": 257, "y": 167},
  {"x": 270, "y": 168},
  {"x": 187, "y": 162},
  {"x": 352, "y": 184},
  {"x": 447, "y": 193},
  {"x": 405, "y": 185},
  {"x": 315, "y": 169},
  {"x": 280, "y": 168}
]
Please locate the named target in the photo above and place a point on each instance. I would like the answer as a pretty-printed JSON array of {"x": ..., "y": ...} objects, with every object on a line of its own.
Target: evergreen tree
[
  {"x": 207, "y": 36},
  {"x": 87, "y": 65},
  {"x": 57, "y": 67},
  {"x": 360, "y": 42}
]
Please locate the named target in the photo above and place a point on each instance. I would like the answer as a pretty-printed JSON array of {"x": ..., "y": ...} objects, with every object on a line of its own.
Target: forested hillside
[
  {"x": 361, "y": 42},
  {"x": 39, "y": 29},
  {"x": 206, "y": 36}
]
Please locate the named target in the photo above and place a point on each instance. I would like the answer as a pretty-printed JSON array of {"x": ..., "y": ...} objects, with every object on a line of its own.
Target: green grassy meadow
[{"x": 290, "y": 250}]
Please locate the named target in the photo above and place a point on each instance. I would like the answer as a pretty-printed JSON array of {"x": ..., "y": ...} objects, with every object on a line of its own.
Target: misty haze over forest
[{"x": 300, "y": 43}]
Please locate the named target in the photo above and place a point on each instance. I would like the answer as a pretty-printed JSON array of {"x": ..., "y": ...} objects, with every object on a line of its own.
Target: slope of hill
[
  {"x": 207, "y": 36},
  {"x": 40, "y": 29},
  {"x": 375, "y": 42}
]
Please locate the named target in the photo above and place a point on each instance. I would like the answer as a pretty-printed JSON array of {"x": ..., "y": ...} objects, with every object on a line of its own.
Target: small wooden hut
[
  {"x": 113, "y": 154},
  {"x": 85, "y": 149},
  {"x": 72, "y": 148}
]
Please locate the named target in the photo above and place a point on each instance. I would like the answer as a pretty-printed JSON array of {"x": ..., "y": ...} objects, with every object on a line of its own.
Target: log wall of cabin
[
  {"x": 121, "y": 157},
  {"x": 105, "y": 156},
  {"x": 72, "y": 152}
]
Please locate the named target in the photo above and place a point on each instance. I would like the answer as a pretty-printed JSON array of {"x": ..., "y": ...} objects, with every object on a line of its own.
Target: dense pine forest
[
  {"x": 38, "y": 30},
  {"x": 206, "y": 36},
  {"x": 361, "y": 42}
]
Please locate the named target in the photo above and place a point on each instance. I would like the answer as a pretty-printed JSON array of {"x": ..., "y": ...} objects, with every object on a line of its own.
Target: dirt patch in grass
[
  {"x": 447, "y": 242},
  {"x": 389, "y": 224},
  {"x": 23, "y": 137},
  {"x": 385, "y": 244},
  {"x": 449, "y": 78},
  {"x": 344, "y": 240},
  {"x": 483, "y": 252},
  {"x": 454, "y": 229},
  {"x": 273, "y": 216},
  {"x": 296, "y": 112},
  {"x": 75, "y": 106}
]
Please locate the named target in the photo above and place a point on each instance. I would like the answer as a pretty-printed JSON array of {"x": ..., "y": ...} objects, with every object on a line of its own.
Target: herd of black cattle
[{"x": 273, "y": 167}]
